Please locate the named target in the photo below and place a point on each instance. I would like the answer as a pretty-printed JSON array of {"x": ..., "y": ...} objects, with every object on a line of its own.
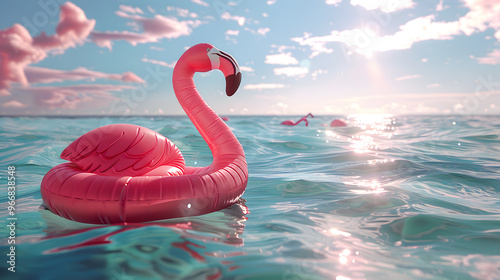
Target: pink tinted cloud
[
  {"x": 131, "y": 77},
  {"x": 13, "y": 104},
  {"x": 46, "y": 75},
  {"x": 104, "y": 39},
  {"x": 18, "y": 49},
  {"x": 201, "y": 3},
  {"x": 71, "y": 96},
  {"x": 154, "y": 29},
  {"x": 492, "y": 58},
  {"x": 73, "y": 28}
]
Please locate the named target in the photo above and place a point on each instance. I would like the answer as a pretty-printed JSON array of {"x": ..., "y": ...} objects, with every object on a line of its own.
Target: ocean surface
[{"x": 388, "y": 197}]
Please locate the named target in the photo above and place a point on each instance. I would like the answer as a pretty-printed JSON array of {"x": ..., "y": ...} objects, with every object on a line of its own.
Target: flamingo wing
[{"x": 124, "y": 150}]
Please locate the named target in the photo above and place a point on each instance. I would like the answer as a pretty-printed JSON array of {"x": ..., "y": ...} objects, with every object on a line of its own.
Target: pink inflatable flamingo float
[
  {"x": 126, "y": 173},
  {"x": 289, "y": 122},
  {"x": 337, "y": 123}
]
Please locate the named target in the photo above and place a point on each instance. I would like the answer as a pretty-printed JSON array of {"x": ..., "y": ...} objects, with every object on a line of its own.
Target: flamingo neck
[
  {"x": 302, "y": 120},
  {"x": 222, "y": 142}
]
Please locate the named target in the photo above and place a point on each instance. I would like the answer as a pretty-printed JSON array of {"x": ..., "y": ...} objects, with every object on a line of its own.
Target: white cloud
[
  {"x": 418, "y": 103},
  {"x": 281, "y": 59},
  {"x": 482, "y": 14},
  {"x": 423, "y": 109},
  {"x": 157, "y": 48},
  {"x": 227, "y": 16},
  {"x": 417, "y": 30},
  {"x": 182, "y": 12},
  {"x": 407, "y": 77},
  {"x": 271, "y": 2},
  {"x": 263, "y": 31},
  {"x": 291, "y": 71},
  {"x": 263, "y": 86},
  {"x": 200, "y": 2},
  {"x": 317, "y": 44},
  {"x": 439, "y": 6},
  {"x": 162, "y": 63},
  {"x": 279, "y": 108},
  {"x": 230, "y": 35},
  {"x": 281, "y": 48},
  {"x": 131, "y": 10},
  {"x": 387, "y": 6},
  {"x": 318, "y": 72},
  {"x": 232, "y": 32},
  {"x": 458, "y": 107},
  {"x": 333, "y": 2},
  {"x": 246, "y": 69}
]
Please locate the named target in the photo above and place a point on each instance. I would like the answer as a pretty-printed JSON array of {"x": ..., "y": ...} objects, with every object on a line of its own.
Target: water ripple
[{"x": 396, "y": 197}]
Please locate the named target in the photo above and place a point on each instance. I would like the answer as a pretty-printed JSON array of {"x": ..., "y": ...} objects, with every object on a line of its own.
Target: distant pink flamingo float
[
  {"x": 124, "y": 173},
  {"x": 304, "y": 119},
  {"x": 337, "y": 123}
]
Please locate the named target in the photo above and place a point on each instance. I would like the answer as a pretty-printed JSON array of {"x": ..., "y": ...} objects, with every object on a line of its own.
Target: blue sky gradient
[{"x": 325, "y": 57}]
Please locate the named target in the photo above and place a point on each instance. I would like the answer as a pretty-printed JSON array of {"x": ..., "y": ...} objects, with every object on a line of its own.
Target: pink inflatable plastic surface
[
  {"x": 337, "y": 123},
  {"x": 303, "y": 119},
  {"x": 126, "y": 173}
]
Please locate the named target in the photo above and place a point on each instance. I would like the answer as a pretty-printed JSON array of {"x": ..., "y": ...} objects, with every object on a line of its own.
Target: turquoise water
[{"x": 408, "y": 197}]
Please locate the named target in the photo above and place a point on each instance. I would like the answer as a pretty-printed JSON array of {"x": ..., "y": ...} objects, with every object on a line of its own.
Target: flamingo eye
[{"x": 208, "y": 49}]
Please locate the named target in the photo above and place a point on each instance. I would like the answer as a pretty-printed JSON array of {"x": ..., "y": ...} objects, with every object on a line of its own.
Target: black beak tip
[{"x": 232, "y": 83}]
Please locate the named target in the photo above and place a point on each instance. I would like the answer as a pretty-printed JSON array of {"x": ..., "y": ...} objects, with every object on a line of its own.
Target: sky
[{"x": 327, "y": 57}]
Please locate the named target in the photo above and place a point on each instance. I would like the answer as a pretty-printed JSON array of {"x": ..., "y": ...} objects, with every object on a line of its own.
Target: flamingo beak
[
  {"x": 228, "y": 65},
  {"x": 233, "y": 83}
]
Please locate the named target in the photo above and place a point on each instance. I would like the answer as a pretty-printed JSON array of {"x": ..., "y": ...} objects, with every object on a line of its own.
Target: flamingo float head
[{"x": 205, "y": 57}]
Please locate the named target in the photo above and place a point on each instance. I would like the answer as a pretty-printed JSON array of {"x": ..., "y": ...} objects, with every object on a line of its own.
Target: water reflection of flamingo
[
  {"x": 204, "y": 239},
  {"x": 227, "y": 228},
  {"x": 304, "y": 118}
]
